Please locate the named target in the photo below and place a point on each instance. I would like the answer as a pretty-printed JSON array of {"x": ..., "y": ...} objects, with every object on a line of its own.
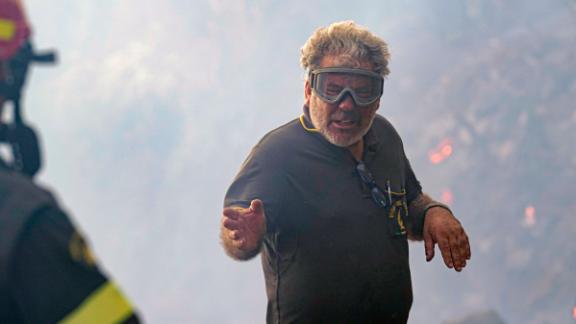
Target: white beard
[{"x": 341, "y": 139}]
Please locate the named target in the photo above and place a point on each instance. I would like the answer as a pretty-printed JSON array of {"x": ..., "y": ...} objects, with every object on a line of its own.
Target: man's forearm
[{"x": 417, "y": 213}]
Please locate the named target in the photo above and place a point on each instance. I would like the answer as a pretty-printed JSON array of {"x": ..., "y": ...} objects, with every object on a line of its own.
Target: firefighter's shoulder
[{"x": 47, "y": 267}]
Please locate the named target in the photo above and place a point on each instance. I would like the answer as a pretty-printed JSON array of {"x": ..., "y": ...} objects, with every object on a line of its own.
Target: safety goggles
[{"x": 335, "y": 83}]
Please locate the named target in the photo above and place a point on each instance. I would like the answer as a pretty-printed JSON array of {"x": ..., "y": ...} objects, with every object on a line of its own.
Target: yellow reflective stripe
[
  {"x": 105, "y": 305},
  {"x": 7, "y": 29}
]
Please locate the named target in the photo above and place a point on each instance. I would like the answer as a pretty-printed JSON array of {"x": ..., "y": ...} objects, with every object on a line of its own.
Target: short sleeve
[
  {"x": 260, "y": 177},
  {"x": 413, "y": 191},
  {"x": 413, "y": 187}
]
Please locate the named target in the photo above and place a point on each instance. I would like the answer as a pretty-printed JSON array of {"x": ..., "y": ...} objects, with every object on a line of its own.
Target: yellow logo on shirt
[{"x": 80, "y": 252}]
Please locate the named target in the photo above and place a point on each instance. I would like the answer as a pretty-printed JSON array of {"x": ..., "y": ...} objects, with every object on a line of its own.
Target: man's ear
[
  {"x": 377, "y": 104},
  {"x": 307, "y": 93}
]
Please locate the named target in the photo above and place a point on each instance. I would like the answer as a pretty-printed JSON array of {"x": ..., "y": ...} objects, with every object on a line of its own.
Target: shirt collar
[{"x": 306, "y": 122}]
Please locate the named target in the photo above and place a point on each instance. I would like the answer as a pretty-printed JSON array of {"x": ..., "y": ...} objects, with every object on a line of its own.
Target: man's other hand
[
  {"x": 243, "y": 229},
  {"x": 441, "y": 227}
]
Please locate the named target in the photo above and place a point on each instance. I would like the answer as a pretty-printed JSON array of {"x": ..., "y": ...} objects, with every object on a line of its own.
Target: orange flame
[
  {"x": 530, "y": 216},
  {"x": 441, "y": 153},
  {"x": 574, "y": 312},
  {"x": 447, "y": 197}
]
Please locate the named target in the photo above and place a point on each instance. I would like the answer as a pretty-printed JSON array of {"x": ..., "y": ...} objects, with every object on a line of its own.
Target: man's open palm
[{"x": 246, "y": 226}]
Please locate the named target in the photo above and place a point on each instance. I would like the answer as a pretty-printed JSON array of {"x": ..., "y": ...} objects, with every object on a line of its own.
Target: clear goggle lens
[{"x": 334, "y": 84}]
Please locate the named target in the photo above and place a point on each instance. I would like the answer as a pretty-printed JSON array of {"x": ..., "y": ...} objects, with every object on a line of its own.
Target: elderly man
[{"x": 330, "y": 198}]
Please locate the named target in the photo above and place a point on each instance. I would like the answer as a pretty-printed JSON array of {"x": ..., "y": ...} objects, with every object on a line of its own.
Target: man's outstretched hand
[
  {"x": 243, "y": 229},
  {"x": 442, "y": 228}
]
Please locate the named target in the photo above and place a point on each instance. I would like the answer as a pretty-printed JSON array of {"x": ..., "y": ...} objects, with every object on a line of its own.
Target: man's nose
[{"x": 347, "y": 103}]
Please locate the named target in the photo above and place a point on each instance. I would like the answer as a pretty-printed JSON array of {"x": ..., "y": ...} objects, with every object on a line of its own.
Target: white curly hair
[{"x": 348, "y": 40}]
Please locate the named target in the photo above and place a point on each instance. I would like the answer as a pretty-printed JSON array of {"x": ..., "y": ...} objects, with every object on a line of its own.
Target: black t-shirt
[
  {"x": 329, "y": 255},
  {"x": 54, "y": 275}
]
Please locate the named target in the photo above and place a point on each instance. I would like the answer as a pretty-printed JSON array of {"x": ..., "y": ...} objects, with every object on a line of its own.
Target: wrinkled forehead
[{"x": 346, "y": 61}]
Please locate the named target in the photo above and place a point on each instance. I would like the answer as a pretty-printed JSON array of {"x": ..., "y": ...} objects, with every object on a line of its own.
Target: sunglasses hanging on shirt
[{"x": 383, "y": 198}]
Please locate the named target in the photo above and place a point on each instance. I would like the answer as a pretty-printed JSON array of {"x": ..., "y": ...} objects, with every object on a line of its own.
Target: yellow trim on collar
[{"x": 303, "y": 123}]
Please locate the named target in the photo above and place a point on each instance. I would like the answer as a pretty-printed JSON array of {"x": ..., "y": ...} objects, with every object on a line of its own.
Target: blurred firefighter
[
  {"x": 16, "y": 55},
  {"x": 47, "y": 272}
]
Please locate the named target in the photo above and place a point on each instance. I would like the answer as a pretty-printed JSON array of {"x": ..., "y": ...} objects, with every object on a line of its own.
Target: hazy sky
[{"x": 152, "y": 109}]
